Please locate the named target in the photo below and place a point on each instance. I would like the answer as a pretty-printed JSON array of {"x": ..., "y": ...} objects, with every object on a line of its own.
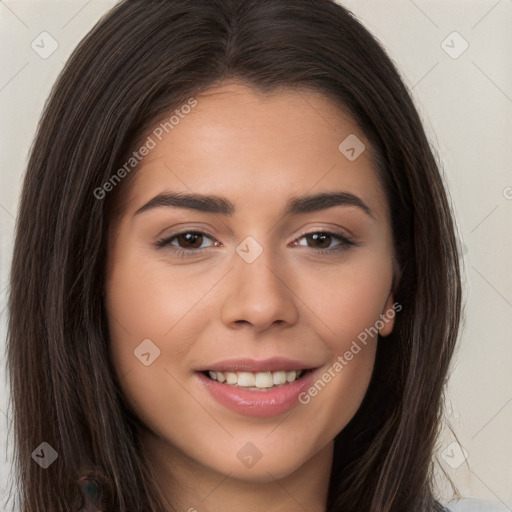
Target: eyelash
[{"x": 345, "y": 244}]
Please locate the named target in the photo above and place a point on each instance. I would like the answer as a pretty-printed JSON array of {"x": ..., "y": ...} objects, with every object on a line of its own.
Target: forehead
[{"x": 258, "y": 148}]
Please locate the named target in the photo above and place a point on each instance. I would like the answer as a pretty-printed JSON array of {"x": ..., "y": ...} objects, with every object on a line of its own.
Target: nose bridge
[
  {"x": 259, "y": 293},
  {"x": 261, "y": 274}
]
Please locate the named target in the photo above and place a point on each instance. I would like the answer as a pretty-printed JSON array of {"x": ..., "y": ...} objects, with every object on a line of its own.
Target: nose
[{"x": 259, "y": 294}]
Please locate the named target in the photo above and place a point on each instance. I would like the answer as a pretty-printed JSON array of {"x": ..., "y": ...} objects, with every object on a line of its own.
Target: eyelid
[
  {"x": 346, "y": 240},
  {"x": 330, "y": 231},
  {"x": 165, "y": 241}
]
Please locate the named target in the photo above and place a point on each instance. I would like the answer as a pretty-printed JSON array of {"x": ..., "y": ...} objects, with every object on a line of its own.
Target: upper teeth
[{"x": 258, "y": 379}]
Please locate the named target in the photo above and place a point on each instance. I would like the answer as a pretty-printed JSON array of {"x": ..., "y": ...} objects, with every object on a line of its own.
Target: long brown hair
[{"x": 142, "y": 60}]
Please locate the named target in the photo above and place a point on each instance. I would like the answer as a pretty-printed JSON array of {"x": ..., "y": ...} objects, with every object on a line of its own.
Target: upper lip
[{"x": 252, "y": 365}]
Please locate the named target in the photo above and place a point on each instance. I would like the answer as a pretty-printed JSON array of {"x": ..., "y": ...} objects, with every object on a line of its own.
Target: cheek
[
  {"x": 145, "y": 300},
  {"x": 347, "y": 299},
  {"x": 347, "y": 320},
  {"x": 147, "y": 310},
  {"x": 344, "y": 303},
  {"x": 157, "y": 310}
]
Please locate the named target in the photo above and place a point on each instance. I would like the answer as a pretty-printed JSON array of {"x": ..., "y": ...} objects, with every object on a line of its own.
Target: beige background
[{"x": 465, "y": 99}]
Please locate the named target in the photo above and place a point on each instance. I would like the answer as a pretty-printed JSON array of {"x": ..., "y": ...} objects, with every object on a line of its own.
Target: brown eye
[
  {"x": 189, "y": 240},
  {"x": 322, "y": 241}
]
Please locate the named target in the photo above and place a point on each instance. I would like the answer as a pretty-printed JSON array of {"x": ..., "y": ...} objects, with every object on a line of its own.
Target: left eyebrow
[{"x": 216, "y": 204}]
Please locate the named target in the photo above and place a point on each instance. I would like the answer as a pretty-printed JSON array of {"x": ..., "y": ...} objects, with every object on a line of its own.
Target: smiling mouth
[{"x": 257, "y": 380}]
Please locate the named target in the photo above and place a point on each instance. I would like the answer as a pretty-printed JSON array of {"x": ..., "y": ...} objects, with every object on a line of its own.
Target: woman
[{"x": 235, "y": 279}]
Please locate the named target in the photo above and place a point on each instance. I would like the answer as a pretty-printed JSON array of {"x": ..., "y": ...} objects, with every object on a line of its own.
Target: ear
[{"x": 387, "y": 318}]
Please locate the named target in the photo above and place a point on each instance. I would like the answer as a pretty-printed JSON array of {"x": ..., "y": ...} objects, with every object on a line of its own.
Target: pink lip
[
  {"x": 260, "y": 404},
  {"x": 273, "y": 364}
]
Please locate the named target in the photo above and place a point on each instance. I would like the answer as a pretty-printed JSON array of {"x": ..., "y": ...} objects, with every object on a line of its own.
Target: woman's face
[{"x": 251, "y": 275}]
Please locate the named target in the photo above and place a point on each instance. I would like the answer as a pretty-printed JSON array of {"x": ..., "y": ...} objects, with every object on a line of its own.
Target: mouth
[
  {"x": 257, "y": 381},
  {"x": 261, "y": 389}
]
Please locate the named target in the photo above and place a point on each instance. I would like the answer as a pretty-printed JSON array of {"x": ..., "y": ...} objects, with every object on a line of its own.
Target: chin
[{"x": 273, "y": 468}]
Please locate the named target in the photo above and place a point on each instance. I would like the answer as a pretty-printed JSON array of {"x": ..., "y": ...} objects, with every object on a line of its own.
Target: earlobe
[{"x": 387, "y": 317}]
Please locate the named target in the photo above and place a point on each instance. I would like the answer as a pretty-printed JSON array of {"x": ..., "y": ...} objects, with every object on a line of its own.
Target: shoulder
[{"x": 472, "y": 505}]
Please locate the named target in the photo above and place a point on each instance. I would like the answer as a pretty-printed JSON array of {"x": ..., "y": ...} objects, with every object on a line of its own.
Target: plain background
[{"x": 465, "y": 99}]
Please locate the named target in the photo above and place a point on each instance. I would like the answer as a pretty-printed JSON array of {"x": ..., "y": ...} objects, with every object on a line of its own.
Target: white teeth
[
  {"x": 260, "y": 380},
  {"x": 231, "y": 378},
  {"x": 264, "y": 380},
  {"x": 279, "y": 377},
  {"x": 290, "y": 376},
  {"x": 246, "y": 379}
]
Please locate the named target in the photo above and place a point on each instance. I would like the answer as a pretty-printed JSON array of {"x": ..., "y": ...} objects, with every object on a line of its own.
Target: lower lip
[{"x": 260, "y": 404}]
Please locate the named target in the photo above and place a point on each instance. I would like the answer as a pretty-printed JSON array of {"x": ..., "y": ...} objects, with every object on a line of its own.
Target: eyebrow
[{"x": 216, "y": 204}]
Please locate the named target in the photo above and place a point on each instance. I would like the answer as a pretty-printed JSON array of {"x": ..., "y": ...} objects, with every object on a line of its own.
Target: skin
[{"x": 257, "y": 150}]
